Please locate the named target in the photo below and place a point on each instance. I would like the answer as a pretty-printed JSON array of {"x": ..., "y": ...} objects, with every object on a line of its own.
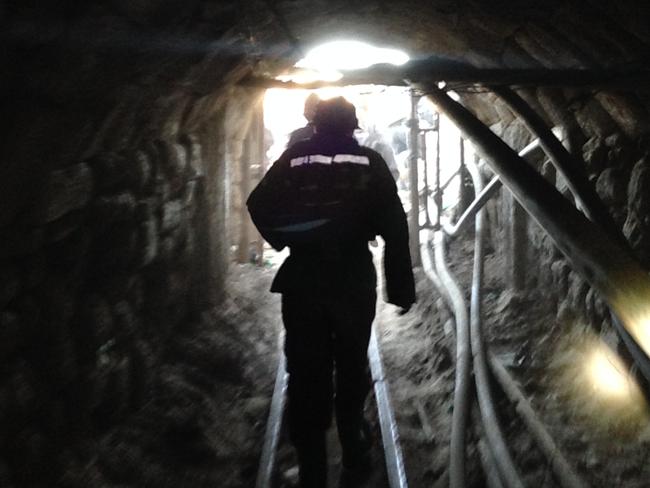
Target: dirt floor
[
  {"x": 604, "y": 433},
  {"x": 205, "y": 422}
]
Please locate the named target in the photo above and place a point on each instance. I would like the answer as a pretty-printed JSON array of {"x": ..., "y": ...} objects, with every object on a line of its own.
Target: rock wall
[
  {"x": 96, "y": 277},
  {"x": 112, "y": 221},
  {"x": 608, "y": 131}
]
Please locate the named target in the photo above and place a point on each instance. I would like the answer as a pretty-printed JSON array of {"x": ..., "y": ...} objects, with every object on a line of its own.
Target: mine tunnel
[{"x": 140, "y": 343}]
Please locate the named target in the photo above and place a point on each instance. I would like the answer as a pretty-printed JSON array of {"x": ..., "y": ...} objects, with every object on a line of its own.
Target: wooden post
[
  {"x": 258, "y": 122},
  {"x": 438, "y": 194},
  {"x": 516, "y": 243},
  {"x": 243, "y": 251},
  {"x": 465, "y": 196},
  {"x": 414, "y": 213},
  {"x": 425, "y": 169}
]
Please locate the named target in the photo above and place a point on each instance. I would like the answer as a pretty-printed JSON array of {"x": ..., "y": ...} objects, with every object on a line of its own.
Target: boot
[
  {"x": 312, "y": 462},
  {"x": 356, "y": 460}
]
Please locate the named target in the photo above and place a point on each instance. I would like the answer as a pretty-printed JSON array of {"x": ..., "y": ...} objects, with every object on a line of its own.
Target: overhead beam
[
  {"x": 566, "y": 163},
  {"x": 434, "y": 70}
]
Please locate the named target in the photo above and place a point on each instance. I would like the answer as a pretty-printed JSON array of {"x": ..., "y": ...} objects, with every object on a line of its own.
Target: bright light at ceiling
[
  {"x": 304, "y": 76},
  {"x": 349, "y": 55},
  {"x": 323, "y": 62}
]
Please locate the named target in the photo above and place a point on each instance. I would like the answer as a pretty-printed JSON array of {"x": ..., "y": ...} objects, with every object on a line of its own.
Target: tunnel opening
[{"x": 385, "y": 124}]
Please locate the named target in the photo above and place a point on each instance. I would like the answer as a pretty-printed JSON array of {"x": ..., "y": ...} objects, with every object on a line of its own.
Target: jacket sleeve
[
  {"x": 392, "y": 226},
  {"x": 267, "y": 200}
]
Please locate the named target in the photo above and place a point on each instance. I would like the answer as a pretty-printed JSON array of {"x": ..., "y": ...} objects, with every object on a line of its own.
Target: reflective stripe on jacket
[{"x": 325, "y": 198}]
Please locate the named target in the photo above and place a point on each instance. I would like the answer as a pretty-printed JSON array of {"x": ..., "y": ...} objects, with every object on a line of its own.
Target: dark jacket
[
  {"x": 325, "y": 198},
  {"x": 301, "y": 134}
]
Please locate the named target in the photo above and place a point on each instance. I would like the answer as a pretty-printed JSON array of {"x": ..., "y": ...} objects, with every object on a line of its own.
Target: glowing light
[
  {"x": 453, "y": 95},
  {"x": 639, "y": 328},
  {"x": 349, "y": 55},
  {"x": 608, "y": 373},
  {"x": 304, "y": 76},
  {"x": 593, "y": 381},
  {"x": 323, "y": 62},
  {"x": 377, "y": 107},
  {"x": 629, "y": 297}
]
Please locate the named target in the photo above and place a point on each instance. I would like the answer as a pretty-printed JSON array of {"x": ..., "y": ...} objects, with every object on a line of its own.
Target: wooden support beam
[
  {"x": 260, "y": 160},
  {"x": 434, "y": 70},
  {"x": 243, "y": 251},
  {"x": 516, "y": 244},
  {"x": 414, "y": 213},
  {"x": 600, "y": 259},
  {"x": 566, "y": 163}
]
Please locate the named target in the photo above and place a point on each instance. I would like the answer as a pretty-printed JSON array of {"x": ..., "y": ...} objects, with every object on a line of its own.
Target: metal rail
[
  {"x": 389, "y": 433},
  {"x": 273, "y": 427}
]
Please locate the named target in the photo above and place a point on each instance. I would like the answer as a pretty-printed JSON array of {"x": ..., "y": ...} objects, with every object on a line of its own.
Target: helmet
[
  {"x": 335, "y": 115},
  {"x": 311, "y": 102}
]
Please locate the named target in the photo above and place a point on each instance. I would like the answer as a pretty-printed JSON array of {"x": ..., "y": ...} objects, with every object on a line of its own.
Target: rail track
[{"x": 387, "y": 444}]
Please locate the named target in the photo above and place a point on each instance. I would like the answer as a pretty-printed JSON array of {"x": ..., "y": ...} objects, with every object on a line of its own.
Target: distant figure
[
  {"x": 326, "y": 198},
  {"x": 307, "y": 131},
  {"x": 375, "y": 140}
]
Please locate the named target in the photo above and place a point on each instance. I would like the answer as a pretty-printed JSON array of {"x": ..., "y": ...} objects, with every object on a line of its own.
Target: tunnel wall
[
  {"x": 113, "y": 236},
  {"x": 609, "y": 133},
  {"x": 102, "y": 265}
]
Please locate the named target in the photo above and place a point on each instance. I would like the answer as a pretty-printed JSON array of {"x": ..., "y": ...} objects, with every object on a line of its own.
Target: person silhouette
[
  {"x": 308, "y": 130},
  {"x": 326, "y": 197}
]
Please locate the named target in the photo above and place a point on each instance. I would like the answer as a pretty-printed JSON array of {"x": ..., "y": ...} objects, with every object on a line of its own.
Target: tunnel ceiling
[
  {"x": 117, "y": 73},
  {"x": 193, "y": 44}
]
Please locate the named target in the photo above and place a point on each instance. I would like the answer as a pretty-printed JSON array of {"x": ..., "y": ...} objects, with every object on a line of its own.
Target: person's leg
[
  {"x": 353, "y": 322},
  {"x": 308, "y": 348}
]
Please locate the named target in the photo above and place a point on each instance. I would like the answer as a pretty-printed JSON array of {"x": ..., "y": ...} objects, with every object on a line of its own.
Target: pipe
[
  {"x": 508, "y": 472},
  {"x": 488, "y": 192},
  {"x": 448, "y": 182},
  {"x": 463, "y": 364},
  {"x": 482, "y": 198},
  {"x": 429, "y": 266},
  {"x": 565, "y": 163},
  {"x": 582, "y": 189},
  {"x": 492, "y": 479},
  {"x": 564, "y": 473},
  {"x": 389, "y": 433},
  {"x": 598, "y": 258}
]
